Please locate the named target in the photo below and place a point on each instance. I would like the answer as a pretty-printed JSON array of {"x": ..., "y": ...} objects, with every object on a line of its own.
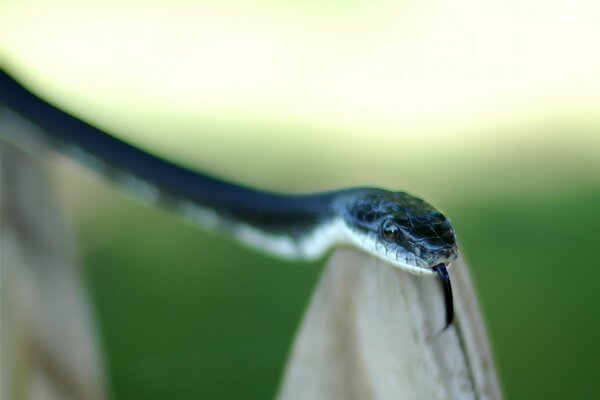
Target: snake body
[{"x": 399, "y": 228}]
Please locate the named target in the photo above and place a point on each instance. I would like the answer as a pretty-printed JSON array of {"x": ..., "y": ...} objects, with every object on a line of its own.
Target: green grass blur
[
  {"x": 534, "y": 262},
  {"x": 189, "y": 314}
]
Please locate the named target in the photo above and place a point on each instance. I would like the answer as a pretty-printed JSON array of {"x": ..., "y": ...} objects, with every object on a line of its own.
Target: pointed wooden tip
[{"x": 373, "y": 332}]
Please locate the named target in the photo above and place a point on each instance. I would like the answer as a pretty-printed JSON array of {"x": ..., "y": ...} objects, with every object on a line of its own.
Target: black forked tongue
[{"x": 442, "y": 272}]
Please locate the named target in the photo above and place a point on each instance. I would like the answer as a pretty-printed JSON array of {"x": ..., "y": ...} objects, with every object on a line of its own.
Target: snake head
[{"x": 399, "y": 228}]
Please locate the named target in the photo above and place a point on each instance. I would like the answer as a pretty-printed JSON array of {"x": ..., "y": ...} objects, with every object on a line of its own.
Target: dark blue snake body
[
  {"x": 395, "y": 226},
  {"x": 268, "y": 210}
]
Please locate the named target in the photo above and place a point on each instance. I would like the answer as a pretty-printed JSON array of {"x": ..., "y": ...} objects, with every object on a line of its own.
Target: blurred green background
[{"x": 489, "y": 110}]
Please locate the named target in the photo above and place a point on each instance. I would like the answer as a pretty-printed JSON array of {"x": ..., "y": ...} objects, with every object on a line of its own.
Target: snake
[{"x": 403, "y": 230}]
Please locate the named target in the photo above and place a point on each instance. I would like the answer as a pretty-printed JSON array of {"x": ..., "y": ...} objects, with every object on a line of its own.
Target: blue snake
[{"x": 396, "y": 227}]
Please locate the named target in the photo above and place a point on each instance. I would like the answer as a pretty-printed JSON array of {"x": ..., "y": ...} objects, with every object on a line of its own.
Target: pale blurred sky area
[{"x": 435, "y": 96}]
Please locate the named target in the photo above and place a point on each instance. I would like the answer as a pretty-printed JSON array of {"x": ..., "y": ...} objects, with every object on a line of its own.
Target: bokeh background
[{"x": 488, "y": 109}]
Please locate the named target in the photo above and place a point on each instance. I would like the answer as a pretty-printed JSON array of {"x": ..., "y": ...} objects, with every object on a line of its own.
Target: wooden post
[
  {"x": 374, "y": 332},
  {"x": 48, "y": 337}
]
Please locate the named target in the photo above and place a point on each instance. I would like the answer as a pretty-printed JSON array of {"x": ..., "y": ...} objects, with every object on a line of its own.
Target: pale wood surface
[
  {"x": 48, "y": 343},
  {"x": 373, "y": 332}
]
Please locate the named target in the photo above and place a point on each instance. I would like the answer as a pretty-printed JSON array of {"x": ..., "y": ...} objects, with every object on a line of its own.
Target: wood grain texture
[{"x": 374, "y": 332}]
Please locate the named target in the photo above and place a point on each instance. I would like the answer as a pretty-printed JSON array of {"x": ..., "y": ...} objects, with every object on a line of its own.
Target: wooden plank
[
  {"x": 48, "y": 336},
  {"x": 374, "y": 332}
]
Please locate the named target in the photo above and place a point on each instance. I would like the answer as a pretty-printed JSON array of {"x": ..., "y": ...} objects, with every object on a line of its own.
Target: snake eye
[{"x": 390, "y": 230}]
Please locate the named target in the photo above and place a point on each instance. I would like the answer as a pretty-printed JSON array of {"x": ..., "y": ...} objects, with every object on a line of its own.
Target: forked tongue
[{"x": 442, "y": 273}]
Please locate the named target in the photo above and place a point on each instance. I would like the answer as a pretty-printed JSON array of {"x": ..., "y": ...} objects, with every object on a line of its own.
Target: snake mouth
[{"x": 442, "y": 272}]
